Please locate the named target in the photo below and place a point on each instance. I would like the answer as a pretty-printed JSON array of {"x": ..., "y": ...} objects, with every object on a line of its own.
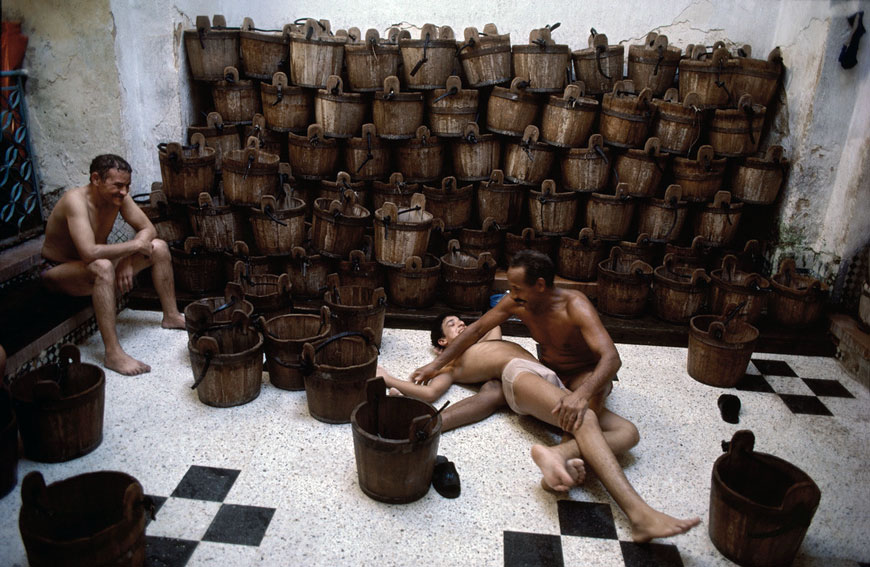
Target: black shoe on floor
[
  {"x": 445, "y": 479},
  {"x": 729, "y": 407}
]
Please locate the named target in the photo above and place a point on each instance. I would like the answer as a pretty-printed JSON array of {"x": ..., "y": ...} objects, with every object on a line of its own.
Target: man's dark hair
[
  {"x": 437, "y": 330},
  {"x": 536, "y": 265},
  {"x": 103, "y": 163}
]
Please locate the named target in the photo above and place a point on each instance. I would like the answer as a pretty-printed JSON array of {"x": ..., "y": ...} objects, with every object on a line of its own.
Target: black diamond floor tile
[
  {"x": 168, "y": 552},
  {"x": 532, "y": 550},
  {"x": 650, "y": 554},
  {"x": 809, "y": 405},
  {"x": 242, "y": 525},
  {"x": 831, "y": 388},
  {"x": 754, "y": 383},
  {"x": 158, "y": 503},
  {"x": 773, "y": 367},
  {"x": 206, "y": 483},
  {"x": 586, "y": 519}
]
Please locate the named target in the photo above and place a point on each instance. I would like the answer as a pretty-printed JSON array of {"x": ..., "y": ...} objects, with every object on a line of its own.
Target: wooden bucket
[
  {"x": 550, "y": 212},
  {"x": 268, "y": 141},
  {"x": 214, "y": 223},
  {"x": 695, "y": 255},
  {"x": 642, "y": 248},
  {"x": 396, "y": 191},
  {"x": 315, "y": 54},
  {"x": 527, "y": 239},
  {"x": 222, "y": 138},
  {"x": 340, "y": 114},
  {"x": 757, "y": 180},
  {"x": 171, "y": 224},
  {"x": 578, "y": 258},
  {"x": 96, "y": 518},
  {"x": 720, "y": 348},
  {"x": 211, "y": 48},
  {"x": 797, "y": 300},
  {"x": 542, "y": 63},
  {"x": 414, "y": 285},
  {"x": 396, "y": 115},
  {"x": 187, "y": 171},
  {"x": 467, "y": 279},
  {"x": 761, "y": 506},
  {"x": 227, "y": 363},
  {"x": 733, "y": 286},
  {"x": 642, "y": 169},
  {"x": 717, "y": 222},
  {"x": 215, "y": 311},
  {"x": 511, "y": 110},
  {"x": 450, "y": 203},
  {"x": 653, "y": 64},
  {"x": 737, "y": 132},
  {"x": 313, "y": 156},
  {"x": 663, "y": 219},
  {"x": 283, "y": 338},
  {"x": 195, "y": 269},
  {"x": 264, "y": 52},
  {"x": 235, "y": 100},
  {"x": 567, "y": 120},
  {"x": 700, "y": 178},
  {"x": 623, "y": 286},
  {"x": 400, "y": 234},
  {"x": 428, "y": 61},
  {"x": 368, "y": 157},
  {"x": 370, "y": 60},
  {"x": 489, "y": 238},
  {"x": 610, "y": 215},
  {"x": 475, "y": 156},
  {"x": 337, "y": 370},
  {"x": 355, "y": 308},
  {"x": 421, "y": 159},
  {"x": 8, "y": 444},
  {"x": 587, "y": 170},
  {"x": 712, "y": 77},
  {"x": 679, "y": 292},
  {"x": 486, "y": 57},
  {"x": 678, "y": 125},
  {"x": 626, "y": 118},
  {"x": 339, "y": 226},
  {"x": 335, "y": 190},
  {"x": 60, "y": 408},
  {"x": 500, "y": 201},
  {"x": 308, "y": 271},
  {"x": 249, "y": 174},
  {"x": 599, "y": 66},
  {"x": 278, "y": 226},
  {"x": 286, "y": 108},
  {"x": 395, "y": 442},
  {"x": 451, "y": 108},
  {"x": 528, "y": 162},
  {"x": 757, "y": 77},
  {"x": 268, "y": 293},
  {"x": 360, "y": 269},
  {"x": 252, "y": 264}
]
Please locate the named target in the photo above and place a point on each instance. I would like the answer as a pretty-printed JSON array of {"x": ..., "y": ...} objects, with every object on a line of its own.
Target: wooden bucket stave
[
  {"x": 719, "y": 350},
  {"x": 587, "y": 170},
  {"x": 642, "y": 169},
  {"x": 222, "y": 138},
  {"x": 367, "y": 157},
  {"x": 355, "y": 308},
  {"x": 610, "y": 216},
  {"x": 451, "y": 108},
  {"x": 451, "y": 203},
  {"x": 757, "y": 180},
  {"x": 315, "y": 54},
  {"x": 528, "y": 162},
  {"x": 701, "y": 178},
  {"x": 663, "y": 219},
  {"x": 414, "y": 285},
  {"x": 626, "y": 118},
  {"x": 195, "y": 269},
  {"x": 511, "y": 110},
  {"x": 578, "y": 258},
  {"x": 467, "y": 279},
  {"x": 757, "y": 77},
  {"x": 475, "y": 156},
  {"x": 678, "y": 125},
  {"x": 654, "y": 64},
  {"x": 248, "y": 174},
  {"x": 797, "y": 300},
  {"x": 313, "y": 156},
  {"x": 600, "y": 65},
  {"x": 551, "y": 212},
  {"x": 717, "y": 223},
  {"x": 401, "y": 234},
  {"x": 623, "y": 287},
  {"x": 542, "y": 62},
  {"x": 428, "y": 61},
  {"x": 283, "y": 337},
  {"x": 567, "y": 121},
  {"x": 421, "y": 159},
  {"x": 396, "y": 191},
  {"x": 500, "y": 201},
  {"x": 395, "y": 114},
  {"x": 236, "y": 100},
  {"x": 737, "y": 132},
  {"x": 340, "y": 114},
  {"x": 733, "y": 286},
  {"x": 187, "y": 171},
  {"x": 679, "y": 292},
  {"x": 712, "y": 78},
  {"x": 286, "y": 108},
  {"x": 211, "y": 48},
  {"x": 278, "y": 226},
  {"x": 370, "y": 61},
  {"x": 264, "y": 53},
  {"x": 486, "y": 57}
]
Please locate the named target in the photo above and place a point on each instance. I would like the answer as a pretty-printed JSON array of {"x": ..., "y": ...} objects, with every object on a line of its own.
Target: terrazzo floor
[{"x": 266, "y": 484}]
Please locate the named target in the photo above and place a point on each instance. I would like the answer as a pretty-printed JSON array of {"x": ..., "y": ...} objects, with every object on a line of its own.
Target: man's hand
[
  {"x": 423, "y": 374},
  {"x": 143, "y": 244},
  {"x": 571, "y": 409},
  {"x": 124, "y": 275}
]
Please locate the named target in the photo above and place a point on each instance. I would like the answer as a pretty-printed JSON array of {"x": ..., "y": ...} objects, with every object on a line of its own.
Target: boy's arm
[{"x": 428, "y": 392}]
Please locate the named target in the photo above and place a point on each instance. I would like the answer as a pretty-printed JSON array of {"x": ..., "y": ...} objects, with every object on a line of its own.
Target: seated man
[{"x": 78, "y": 261}]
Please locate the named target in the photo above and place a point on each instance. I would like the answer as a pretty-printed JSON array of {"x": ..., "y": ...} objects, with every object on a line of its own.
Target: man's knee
[
  {"x": 103, "y": 269},
  {"x": 160, "y": 250},
  {"x": 632, "y": 434},
  {"x": 493, "y": 392}
]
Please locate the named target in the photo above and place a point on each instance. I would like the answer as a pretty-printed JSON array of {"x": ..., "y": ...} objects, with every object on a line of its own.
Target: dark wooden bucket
[
  {"x": 396, "y": 115},
  {"x": 678, "y": 125},
  {"x": 367, "y": 157},
  {"x": 268, "y": 293},
  {"x": 278, "y": 226},
  {"x": 339, "y": 226},
  {"x": 679, "y": 292},
  {"x": 475, "y": 156},
  {"x": 171, "y": 223},
  {"x": 421, "y": 159},
  {"x": 551, "y": 212},
  {"x": 215, "y": 311},
  {"x": 340, "y": 114},
  {"x": 467, "y": 279},
  {"x": 395, "y": 442},
  {"x": 195, "y": 269},
  {"x": 653, "y": 64},
  {"x": 397, "y": 191},
  {"x": 699, "y": 178},
  {"x": 587, "y": 169},
  {"x": 451, "y": 108},
  {"x": 663, "y": 219},
  {"x": 337, "y": 371},
  {"x": 414, "y": 285},
  {"x": 486, "y": 57},
  {"x": 600, "y": 65},
  {"x": 215, "y": 223},
  {"x": 286, "y": 108},
  {"x": 428, "y": 61},
  {"x": 489, "y": 238},
  {"x": 527, "y": 239},
  {"x": 717, "y": 222},
  {"x": 283, "y": 338},
  {"x": 511, "y": 110},
  {"x": 187, "y": 171},
  {"x": 797, "y": 300},
  {"x": 567, "y": 120},
  {"x": 308, "y": 271},
  {"x": 542, "y": 62},
  {"x": 401, "y": 234},
  {"x": 263, "y": 53},
  {"x": 578, "y": 258},
  {"x": 641, "y": 169},
  {"x": 757, "y": 180},
  {"x": 450, "y": 202},
  {"x": 696, "y": 255},
  {"x": 733, "y": 286},
  {"x": 610, "y": 216},
  {"x": 355, "y": 308},
  {"x": 623, "y": 287},
  {"x": 8, "y": 444},
  {"x": 249, "y": 174},
  {"x": 269, "y": 141},
  {"x": 709, "y": 75},
  {"x": 60, "y": 408},
  {"x": 211, "y": 48},
  {"x": 737, "y": 132},
  {"x": 96, "y": 518},
  {"x": 719, "y": 349},
  {"x": 626, "y": 118},
  {"x": 370, "y": 60},
  {"x": 236, "y": 100},
  {"x": 761, "y": 506},
  {"x": 252, "y": 264},
  {"x": 528, "y": 162},
  {"x": 222, "y": 138},
  {"x": 361, "y": 269},
  {"x": 313, "y": 156},
  {"x": 335, "y": 190},
  {"x": 641, "y": 248},
  {"x": 757, "y": 77},
  {"x": 500, "y": 201},
  {"x": 315, "y": 54}
]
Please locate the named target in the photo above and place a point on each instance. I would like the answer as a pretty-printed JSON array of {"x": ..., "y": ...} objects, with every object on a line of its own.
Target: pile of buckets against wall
[{"x": 357, "y": 170}]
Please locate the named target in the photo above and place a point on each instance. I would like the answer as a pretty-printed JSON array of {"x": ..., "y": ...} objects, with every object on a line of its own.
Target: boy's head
[{"x": 446, "y": 328}]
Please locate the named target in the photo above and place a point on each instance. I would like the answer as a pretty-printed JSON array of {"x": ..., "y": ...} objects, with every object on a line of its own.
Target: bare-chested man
[
  {"x": 574, "y": 344},
  {"x": 78, "y": 261}
]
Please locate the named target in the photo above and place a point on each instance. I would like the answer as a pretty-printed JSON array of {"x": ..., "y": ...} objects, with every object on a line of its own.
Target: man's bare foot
[
  {"x": 655, "y": 524},
  {"x": 577, "y": 469},
  {"x": 125, "y": 364},
  {"x": 175, "y": 321},
  {"x": 556, "y": 475}
]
